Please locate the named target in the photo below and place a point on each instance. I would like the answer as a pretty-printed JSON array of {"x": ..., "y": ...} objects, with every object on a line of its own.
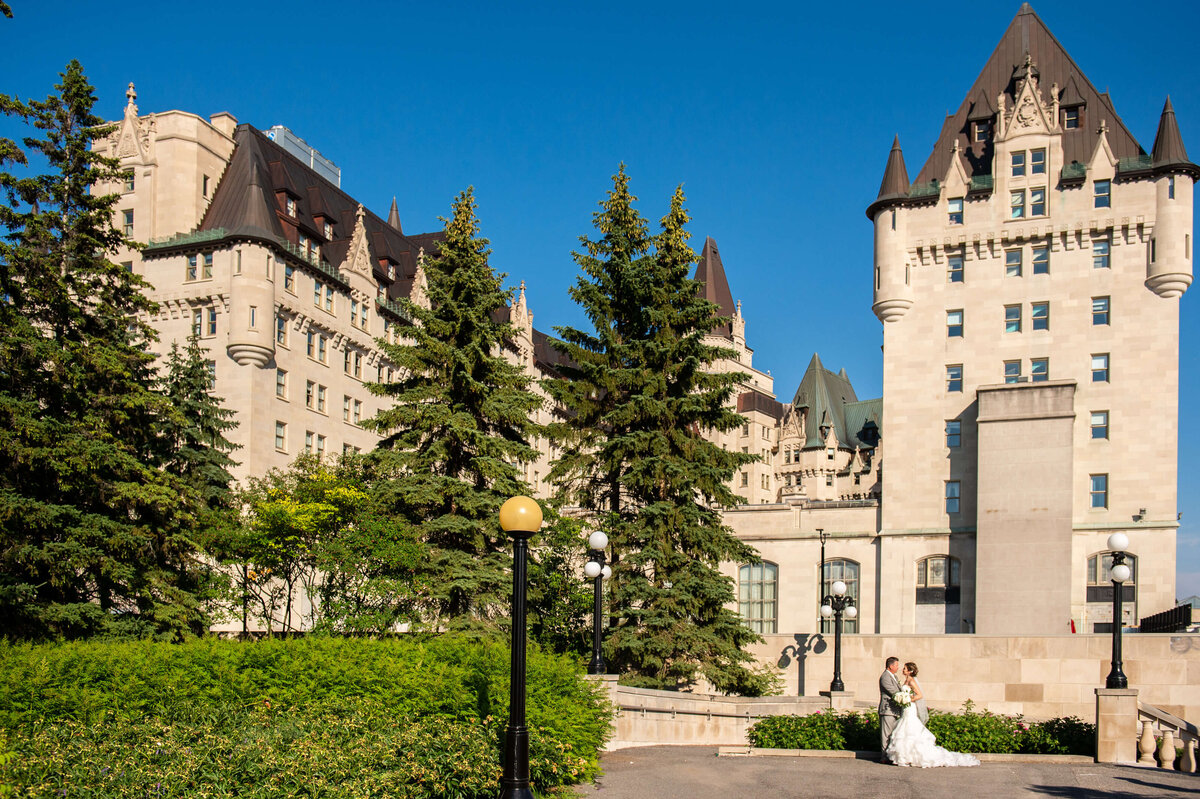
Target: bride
[{"x": 912, "y": 744}]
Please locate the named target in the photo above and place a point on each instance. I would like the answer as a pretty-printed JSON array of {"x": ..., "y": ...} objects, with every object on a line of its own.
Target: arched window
[
  {"x": 938, "y": 580},
  {"x": 1100, "y": 592},
  {"x": 847, "y": 572},
  {"x": 758, "y": 587}
]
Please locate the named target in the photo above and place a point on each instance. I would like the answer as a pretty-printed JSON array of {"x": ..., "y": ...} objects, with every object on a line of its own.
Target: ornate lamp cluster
[
  {"x": 1120, "y": 572},
  {"x": 598, "y": 571},
  {"x": 836, "y": 604}
]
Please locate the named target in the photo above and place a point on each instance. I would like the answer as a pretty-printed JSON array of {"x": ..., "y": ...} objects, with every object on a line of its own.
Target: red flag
[{"x": 1072, "y": 625}]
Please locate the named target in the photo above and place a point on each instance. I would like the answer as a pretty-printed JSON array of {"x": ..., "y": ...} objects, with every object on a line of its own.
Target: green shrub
[
  {"x": 318, "y": 717},
  {"x": 967, "y": 731}
]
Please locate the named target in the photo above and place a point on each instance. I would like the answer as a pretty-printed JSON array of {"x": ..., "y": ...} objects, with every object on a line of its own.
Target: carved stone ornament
[
  {"x": 360, "y": 249},
  {"x": 1027, "y": 114},
  {"x": 134, "y": 137}
]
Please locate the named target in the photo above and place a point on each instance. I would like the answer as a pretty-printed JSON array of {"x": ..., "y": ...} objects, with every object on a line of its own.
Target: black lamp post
[
  {"x": 1118, "y": 543},
  {"x": 821, "y": 567},
  {"x": 836, "y": 604},
  {"x": 521, "y": 517},
  {"x": 598, "y": 571}
]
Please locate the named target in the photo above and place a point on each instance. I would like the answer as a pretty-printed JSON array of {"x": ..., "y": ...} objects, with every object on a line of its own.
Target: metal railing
[
  {"x": 1135, "y": 163},
  {"x": 930, "y": 189},
  {"x": 1074, "y": 171},
  {"x": 983, "y": 183},
  {"x": 1175, "y": 620},
  {"x": 184, "y": 239},
  {"x": 1159, "y": 733}
]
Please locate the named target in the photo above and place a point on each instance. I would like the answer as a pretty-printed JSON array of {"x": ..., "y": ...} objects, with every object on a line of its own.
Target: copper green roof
[{"x": 831, "y": 402}]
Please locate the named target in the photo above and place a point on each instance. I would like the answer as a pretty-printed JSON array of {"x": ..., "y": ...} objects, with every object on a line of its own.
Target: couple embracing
[{"x": 904, "y": 739}]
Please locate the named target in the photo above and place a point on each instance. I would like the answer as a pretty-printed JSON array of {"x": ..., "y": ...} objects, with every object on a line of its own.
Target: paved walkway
[{"x": 695, "y": 772}]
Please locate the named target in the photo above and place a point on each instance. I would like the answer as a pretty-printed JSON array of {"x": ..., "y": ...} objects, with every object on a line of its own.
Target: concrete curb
[{"x": 986, "y": 757}]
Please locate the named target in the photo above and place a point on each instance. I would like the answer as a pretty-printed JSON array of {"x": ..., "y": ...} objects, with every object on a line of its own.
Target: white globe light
[
  {"x": 1120, "y": 573},
  {"x": 826, "y": 611},
  {"x": 606, "y": 572},
  {"x": 597, "y": 540},
  {"x": 591, "y": 569},
  {"x": 851, "y": 612},
  {"x": 1118, "y": 542},
  {"x": 839, "y": 588}
]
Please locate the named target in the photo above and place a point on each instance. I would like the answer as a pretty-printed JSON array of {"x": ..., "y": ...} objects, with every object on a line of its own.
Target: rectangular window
[
  {"x": 1037, "y": 202},
  {"x": 954, "y": 324},
  {"x": 363, "y": 317},
  {"x": 353, "y": 313},
  {"x": 204, "y": 185},
  {"x": 745, "y": 479},
  {"x": 311, "y": 344},
  {"x": 281, "y": 331},
  {"x": 1100, "y": 368},
  {"x": 1012, "y": 318},
  {"x": 327, "y": 230},
  {"x": 953, "y": 495},
  {"x": 321, "y": 399},
  {"x": 982, "y": 130},
  {"x": 290, "y": 206},
  {"x": 127, "y": 266},
  {"x": 317, "y": 293},
  {"x": 953, "y": 433},
  {"x": 1018, "y": 165},
  {"x": 308, "y": 442},
  {"x": 321, "y": 349},
  {"x": 346, "y": 361},
  {"x": 357, "y": 411},
  {"x": 1103, "y": 195},
  {"x": 345, "y": 407},
  {"x": 956, "y": 210},
  {"x": 954, "y": 270},
  {"x": 1071, "y": 118},
  {"x": 1153, "y": 250},
  {"x": 320, "y": 445},
  {"x": 1012, "y": 371},
  {"x": 1039, "y": 369},
  {"x": 253, "y": 316},
  {"x": 1100, "y": 312},
  {"x": 1012, "y": 263},
  {"x": 1099, "y": 491},
  {"x": 1171, "y": 187},
  {"x": 1040, "y": 312},
  {"x": 281, "y": 436},
  {"x": 1016, "y": 204},
  {"x": 237, "y": 263},
  {"x": 329, "y": 298},
  {"x": 1041, "y": 260},
  {"x": 208, "y": 265},
  {"x": 310, "y": 393},
  {"x": 1037, "y": 162},
  {"x": 358, "y": 365},
  {"x": 191, "y": 273},
  {"x": 129, "y": 180},
  {"x": 289, "y": 278},
  {"x": 197, "y": 322},
  {"x": 212, "y": 321},
  {"x": 954, "y": 378},
  {"x": 1099, "y": 424},
  {"x": 765, "y": 482},
  {"x": 211, "y": 368},
  {"x": 281, "y": 383},
  {"x": 1101, "y": 251},
  {"x": 127, "y": 224}
]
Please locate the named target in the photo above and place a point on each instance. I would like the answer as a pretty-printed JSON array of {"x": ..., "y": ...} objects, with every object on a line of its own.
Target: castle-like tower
[{"x": 1028, "y": 283}]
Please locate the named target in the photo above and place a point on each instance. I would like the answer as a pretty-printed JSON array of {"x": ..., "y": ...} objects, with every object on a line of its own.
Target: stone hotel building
[{"x": 1027, "y": 281}]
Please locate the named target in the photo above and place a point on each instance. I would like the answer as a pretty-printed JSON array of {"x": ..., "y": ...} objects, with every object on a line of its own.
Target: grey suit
[{"x": 888, "y": 712}]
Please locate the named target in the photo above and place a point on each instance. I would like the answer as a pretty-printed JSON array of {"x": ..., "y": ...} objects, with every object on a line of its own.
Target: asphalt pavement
[{"x": 688, "y": 772}]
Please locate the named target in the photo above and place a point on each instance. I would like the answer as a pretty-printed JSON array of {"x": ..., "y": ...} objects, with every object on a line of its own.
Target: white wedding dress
[{"x": 912, "y": 744}]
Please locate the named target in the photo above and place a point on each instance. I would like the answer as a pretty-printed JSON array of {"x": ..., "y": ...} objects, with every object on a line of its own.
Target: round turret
[
  {"x": 252, "y": 308},
  {"x": 1169, "y": 263},
  {"x": 893, "y": 293}
]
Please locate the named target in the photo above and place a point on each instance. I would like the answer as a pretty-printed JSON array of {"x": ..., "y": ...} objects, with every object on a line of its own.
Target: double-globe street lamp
[
  {"x": 598, "y": 571},
  {"x": 1120, "y": 572},
  {"x": 836, "y": 604},
  {"x": 521, "y": 517}
]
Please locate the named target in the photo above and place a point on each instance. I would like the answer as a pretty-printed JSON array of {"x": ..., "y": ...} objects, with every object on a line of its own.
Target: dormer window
[
  {"x": 983, "y": 130},
  {"x": 327, "y": 230},
  {"x": 1071, "y": 118},
  {"x": 391, "y": 271},
  {"x": 290, "y": 206}
]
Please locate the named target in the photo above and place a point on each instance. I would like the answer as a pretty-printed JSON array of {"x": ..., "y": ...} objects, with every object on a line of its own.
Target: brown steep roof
[
  {"x": 1028, "y": 34},
  {"x": 244, "y": 205},
  {"x": 895, "y": 183},
  {"x": 710, "y": 272},
  {"x": 394, "y": 216},
  {"x": 752, "y": 400}
]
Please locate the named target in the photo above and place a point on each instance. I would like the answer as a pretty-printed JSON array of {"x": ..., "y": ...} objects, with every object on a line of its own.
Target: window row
[
  {"x": 204, "y": 322},
  {"x": 1097, "y": 493},
  {"x": 314, "y": 443},
  {"x": 1030, "y": 202},
  {"x": 199, "y": 267},
  {"x": 1014, "y": 260},
  {"x": 1097, "y": 423},
  {"x": 1039, "y": 371},
  {"x": 1039, "y": 317}
]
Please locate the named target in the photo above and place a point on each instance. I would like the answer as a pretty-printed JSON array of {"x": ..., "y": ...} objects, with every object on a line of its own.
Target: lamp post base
[{"x": 514, "y": 784}]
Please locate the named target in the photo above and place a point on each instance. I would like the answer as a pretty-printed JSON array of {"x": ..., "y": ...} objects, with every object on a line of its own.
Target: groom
[{"x": 888, "y": 687}]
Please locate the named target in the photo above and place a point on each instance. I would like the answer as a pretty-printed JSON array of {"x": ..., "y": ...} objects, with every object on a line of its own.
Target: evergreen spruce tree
[
  {"x": 458, "y": 427},
  {"x": 639, "y": 396},
  {"x": 198, "y": 450},
  {"x": 93, "y": 532}
]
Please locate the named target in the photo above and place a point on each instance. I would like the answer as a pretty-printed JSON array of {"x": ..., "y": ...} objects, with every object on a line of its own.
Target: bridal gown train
[{"x": 912, "y": 744}]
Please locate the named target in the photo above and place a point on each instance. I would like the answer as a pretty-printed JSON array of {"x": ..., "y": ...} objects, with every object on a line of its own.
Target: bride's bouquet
[{"x": 903, "y": 697}]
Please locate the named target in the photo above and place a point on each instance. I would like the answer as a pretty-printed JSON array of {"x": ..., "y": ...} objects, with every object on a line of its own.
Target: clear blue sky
[{"x": 777, "y": 118}]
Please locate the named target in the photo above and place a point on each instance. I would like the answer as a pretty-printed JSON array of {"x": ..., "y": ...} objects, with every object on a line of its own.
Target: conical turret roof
[
  {"x": 895, "y": 183},
  {"x": 710, "y": 272},
  {"x": 1168, "y": 143},
  {"x": 394, "y": 216},
  {"x": 831, "y": 402}
]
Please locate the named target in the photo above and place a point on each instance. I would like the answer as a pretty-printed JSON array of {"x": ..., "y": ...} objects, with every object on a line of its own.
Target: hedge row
[
  {"x": 312, "y": 717},
  {"x": 967, "y": 731}
]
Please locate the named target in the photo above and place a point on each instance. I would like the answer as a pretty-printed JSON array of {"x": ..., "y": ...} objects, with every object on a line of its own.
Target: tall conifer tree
[
  {"x": 459, "y": 425},
  {"x": 640, "y": 396},
  {"x": 93, "y": 533}
]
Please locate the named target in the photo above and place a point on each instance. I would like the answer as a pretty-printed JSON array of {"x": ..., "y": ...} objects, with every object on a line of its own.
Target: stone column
[{"x": 1116, "y": 725}]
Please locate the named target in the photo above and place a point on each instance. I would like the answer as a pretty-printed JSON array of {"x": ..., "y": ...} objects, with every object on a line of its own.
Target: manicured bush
[
  {"x": 968, "y": 731},
  {"x": 318, "y": 717}
]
